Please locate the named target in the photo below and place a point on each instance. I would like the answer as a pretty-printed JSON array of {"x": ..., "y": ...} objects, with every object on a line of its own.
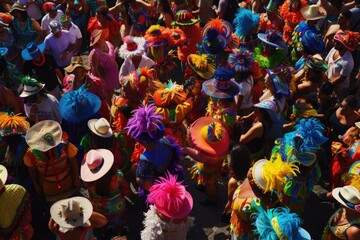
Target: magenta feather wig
[{"x": 146, "y": 125}]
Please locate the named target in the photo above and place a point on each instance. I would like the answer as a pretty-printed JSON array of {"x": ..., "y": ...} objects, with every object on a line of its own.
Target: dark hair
[
  {"x": 103, "y": 11},
  {"x": 326, "y": 88},
  {"x": 240, "y": 161},
  {"x": 352, "y": 101},
  {"x": 166, "y": 6},
  {"x": 100, "y": 142},
  {"x": 266, "y": 116},
  {"x": 347, "y": 14}
]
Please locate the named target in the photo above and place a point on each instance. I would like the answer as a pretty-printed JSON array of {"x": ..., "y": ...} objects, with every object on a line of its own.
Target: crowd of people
[{"x": 266, "y": 94}]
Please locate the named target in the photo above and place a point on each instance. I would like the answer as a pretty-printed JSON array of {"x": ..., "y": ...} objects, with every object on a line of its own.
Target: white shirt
[
  {"x": 128, "y": 66},
  {"x": 45, "y": 22},
  {"x": 245, "y": 91},
  {"x": 48, "y": 109},
  {"x": 75, "y": 30}
]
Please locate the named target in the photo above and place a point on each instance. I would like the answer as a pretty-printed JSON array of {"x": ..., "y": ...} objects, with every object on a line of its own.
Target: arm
[
  {"x": 95, "y": 63},
  {"x": 338, "y": 80},
  {"x": 239, "y": 102},
  {"x": 353, "y": 233},
  {"x": 69, "y": 49},
  {"x": 98, "y": 220},
  {"x": 232, "y": 185},
  {"x": 195, "y": 154},
  {"x": 255, "y": 131},
  {"x": 37, "y": 27},
  {"x": 143, "y": 4},
  {"x": 53, "y": 226}
]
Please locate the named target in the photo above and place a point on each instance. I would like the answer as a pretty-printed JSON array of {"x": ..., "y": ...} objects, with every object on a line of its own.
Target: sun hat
[
  {"x": 96, "y": 164},
  {"x": 272, "y": 6},
  {"x": 224, "y": 27},
  {"x": 279, "y": 78},
  {"x": 72, "y": 212},
  {"x": 279, "y": 223},
  {"x": 270, "y": 107},
  {"x": 32, "y": 51},
  {"x": 44, "y": 135},
  {"x": 348, "y": 196},
  {"x": 313, "y": 12},
  {"x": 31, "y": 86},
  {"x": 146, "y": 125},
  {"x": 349, "y": 39},
  {"x": 210, "y": 136},
  {"x": 221, "y": 86},
  {"x": 132, "y": 46},
  {"x": 272, "y": 175},
  {"x": 100, "y": 127},
  {"x": 11, "y": 124},
  {"x": 54, "y": 26},
  {"x": 79, "y": 105},
  {"x": 272, "y": 38},
  {"x": 202, "y": 64},
  {"x": 3, "y": 174},
  {"x": 232, "y": 43},
  {"x": 313, "y": 42},
  {"x": 76, "y": 61},
  {"x": 170, "y": 197},
  {"x": 18, "y": 6},
  {"x": 316, "y": 63},
  {"x": 213, "y": 42},
  {"x": 241, "y": 60},
  {"x": 3, "y": 51},
  {"x": 64, "y": 19},
  {"x": 48, "y": 6},
  {"x": 184, "y": 18},
  {"x": 98, "y": 34}
]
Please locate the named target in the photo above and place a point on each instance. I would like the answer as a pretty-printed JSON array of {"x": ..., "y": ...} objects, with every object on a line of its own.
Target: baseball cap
[{"x": 54, "y": 26}]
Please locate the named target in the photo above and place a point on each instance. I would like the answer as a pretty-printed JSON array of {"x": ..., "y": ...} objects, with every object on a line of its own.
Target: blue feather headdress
[
  {"x": 244, "y": 21},
  {"x": 146, "y": 125}
]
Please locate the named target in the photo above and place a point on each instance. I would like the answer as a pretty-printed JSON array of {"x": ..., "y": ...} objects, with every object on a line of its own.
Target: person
[
  {"x": 38, "y": 105},
  {"x": 342, "y": 24},
  {"x": 68, "y": 25},
  {"x": 52, "y": 14},
  {"x": 343, "y": 224},
  {"x": 161, "y": 153},
  {"x": 60, "y": 44},
  {"x": 204, "y": 11},
  {"x": 8, "y": 40},
  {"x": 102, "y": 62},
  {"x": 77, "y": 12},
  {"x": 133, "y": 53},
  {"x": 9, "y": 101},
  {"x": 340, "y": 61},
  {"x": 211, "y": 142},
  {"x": 15, "y": 210},
  {"x": 83, "y": 219},
  {"x": 327, "y": 102},
  {"x": 137, "y": 11},
  {"x": 240, "y": 163},
  {"x": 26, "y": 29},
  {"x": 51, "y": 161},
  {"x": 264, "y": 179},
  {"x": 168, "y": 215},
  {"x": 107, "y": 187},
  {"x": 165, "y": 14},
  {"x": 9, "y": 73},
  {"x": 43, "y": 66},
  {"x": 271, "y": 19}
]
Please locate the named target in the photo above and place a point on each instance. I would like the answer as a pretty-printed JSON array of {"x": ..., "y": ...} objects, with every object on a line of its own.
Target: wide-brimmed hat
[
  {"x": 272, "y": 6},
  {"x": 348, "y": 196},
  {"x": 316, "y": 63},
  {"x": 30, "y": 87},
  {"x": 270, "y": 107},
  {"x": 313, "y": 12},
  {"x": 349, "y": 39},
  {"x": 273, "y": 38},
  {"x": 210, "y": 136},
  {"x": 76, "y": 61},
  {"x": 32, "y": 51},
  {"x": 279, "y": 78},
  {"x": 100, "y": 127},
  {"x": 44, "y": 135},
  {"x": 96, "y": 164},
  {"x": 204, "y": 65},
  {"x": 355, "y": 168},
  {"x": 170, "y": 197},
  {"x": 11, "y": 124},
  {"x": 79, "y": 105},
  {"x": 18, "y": 6},
  {"x": 132, "y": 46},
  {"x": 213, "y": 42},
  {"x": 222, "y": 85},
  {"x": 241, "y": 60},
  {"x": 3, "y": 51},
  {"x": 98, "y": 34},
  {"x": 3, "y": 174},
  {"x": 72, "y": 212},
  {"x": 224, "y": 27},
  {"x": 313, "y": 42},
  {"x": 184, "y": 18}
]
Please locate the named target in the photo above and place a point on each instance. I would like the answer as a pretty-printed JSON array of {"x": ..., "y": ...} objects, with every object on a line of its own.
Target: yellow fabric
[
  {"x": 277, "y": 228},
  {"x": 10, "y": 203},
  {"x": 181, "y": 111}
]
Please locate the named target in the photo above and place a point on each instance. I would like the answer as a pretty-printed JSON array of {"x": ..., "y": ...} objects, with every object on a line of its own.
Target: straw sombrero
[
  {"x": 96, "y": 164},
  {"x": 204, "y": 65},
  {"x": 313, "y": 12}
]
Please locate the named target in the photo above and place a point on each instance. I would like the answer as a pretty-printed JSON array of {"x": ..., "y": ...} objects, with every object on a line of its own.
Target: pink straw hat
[{"x": 96, "y": 164}]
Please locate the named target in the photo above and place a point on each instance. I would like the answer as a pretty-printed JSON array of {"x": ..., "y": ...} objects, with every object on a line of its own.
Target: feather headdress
[
  {"x": 349, "y": 39},
  {"x": 146, "y": 125},
  {"x": 278, "y": 223},
  {"x": 244, "y": 21},
  {"x": 170, "y": 197},
  {"x": 11, "y": 124},
  {"x": 241, "y": 59}
]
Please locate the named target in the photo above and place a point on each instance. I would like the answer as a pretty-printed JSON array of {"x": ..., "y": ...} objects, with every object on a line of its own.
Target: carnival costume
[
  {"x": 15, "y": 210},
  {"x": 352, "y": 177},
  {"x": 301, "y": 146},
  {"x": 168, "y": 217},
  {"x": 246, "y": 25}
]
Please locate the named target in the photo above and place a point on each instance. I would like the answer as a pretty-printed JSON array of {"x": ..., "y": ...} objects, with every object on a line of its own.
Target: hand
[{"x": 64, "y": 55}]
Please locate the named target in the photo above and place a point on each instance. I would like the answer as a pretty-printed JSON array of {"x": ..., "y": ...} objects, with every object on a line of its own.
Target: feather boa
[
  {"x": 157, "y": 229},
  {"x": 269, "y": 62}
]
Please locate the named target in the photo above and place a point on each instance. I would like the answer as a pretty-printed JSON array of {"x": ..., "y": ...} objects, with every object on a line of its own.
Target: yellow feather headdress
[{"x": 11, "y": 124}]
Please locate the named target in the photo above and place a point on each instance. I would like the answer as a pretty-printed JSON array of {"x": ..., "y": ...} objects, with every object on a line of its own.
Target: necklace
[{"x": 41, "y": 62}]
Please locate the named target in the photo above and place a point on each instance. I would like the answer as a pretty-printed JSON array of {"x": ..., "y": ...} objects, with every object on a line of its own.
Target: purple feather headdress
[{"x": 146, "y": 125}]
